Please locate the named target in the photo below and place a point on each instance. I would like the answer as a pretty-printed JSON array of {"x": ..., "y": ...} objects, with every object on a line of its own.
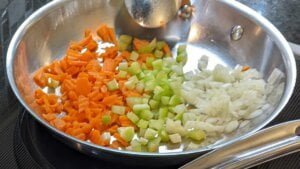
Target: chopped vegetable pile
[{"x": 133, "y": 94}]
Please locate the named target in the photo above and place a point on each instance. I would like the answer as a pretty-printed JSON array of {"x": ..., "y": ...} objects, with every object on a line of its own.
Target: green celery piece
[
  {"x": 197, "y": 135},
  {"x": 162, "y": 75},
  {"x": 122, "y": 74},
  {"x": 149, "y": 61},
  {"x": 150, "y": 134},
  {"x": 106, "y": 119},
  {"x": 165, "y": 100},
  {"x": 181, "y": 108},
  {"x": 150, "y": 85},
  {"x": 156, "y": 124},
  {"x": 153, "y": 104},
  {"x": 158, "y": 90},
  {"x": 112, "y": 85},
  {"x": 163, "y": 113},
  {"x": 143, "y": 124},
  {"x": 143, "y": 130},
  {"x": 145, "y": 100},
  {"x": 158, "y": 53},
  {"x": 129, "y": 85},
  {"x": 118, "y": 109},
  {"x": 146, "y": 114},
  {"x": 175, "y": 100},
  {"x": 175, "y": 138},
  {"x": 123, "y": 46},
  {"x": 157, "y": 97},
  {"x": 133, "y": 100},
  {"x": 182, "y": 58},
  {"x": 160, "y": 45},
  {"x": 134, "y": 56},
  {"x": 132, "y": 117},
  {"x": 140, "y": 87},
  {"x": 125, "y": 39},
  {"x": 181, "y": 48},
  {"x": 136, "y": 146},
  {"x": 141, "y": 75},
  {"x": 140, "y": 107},
  {"x": 123, "y": 66},
  {"x": 149, "y": 48},
  {"x": 171, "y": 115},
  {"x": 134, "y": 68},
  {"x": 157, "y": 64},
  {"x": 164, "y": 136},
  {"x": 153, "y": 145},
  {"x": 127, "y": 133},
  {"x": 179, "y": 116},
  {"x": 143, "y": 141}
]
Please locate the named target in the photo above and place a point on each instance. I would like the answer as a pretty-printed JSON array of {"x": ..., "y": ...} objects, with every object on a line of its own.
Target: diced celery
[
  {"x": 132, "y": 117},
  {"x": 123, "y": 66},
  {"x": 175, "y": 138},
  {"x": 146, "y": 114},
  {"x": 106, "y": 119},
  {"x": 148, "y": 48},
  {"x": 143, "y": 124},
  {"x": 174, "y": 100},
  {"x": 173, "y": 127},
  {"x": 160, "y": 45},
  {"x": 181, "y": 48},
  {"x": 149, "y": 61},
  {"x": 153, "y": 104},
  {"x": 153, "y": 145},
  {"x": 125, "y": 38},
  {"x": 136, "y": 146},
  {"x": 150, "y": 85},
  {"x": 157, "y": 97},
  {"x": 112, "y": 85},
  {"x": 141, "y": 75},
  {"x": 182, "y": 58},
  {"x": 123, "y": 46},
  {"x": 143, "y": 130},
  {"x": 177, "y": 69},
  {"x": 52, "y": 83},
  {"x": 133, "y": 100},
  {"x": 188, "y": 117},
  {"x": 179, "y": 116},
  {"x": 164, "y": 136},
  {"x": 134, "y": 79},
  {"x": 163, "y": 113},
  {"x": 134, "y": 56},
  {"x": 158, "y": 90},
  {"x": 145, "y": 100},
  {"x": 165, "y": 100},
  {"x": 158, "y": 54},
  {"x": 161, "y": 75},
  {"x": 118, "y": 109},
  {"x": 134, "y": 68},
  {"x": 129, "y": 85},
  {"x": 144, "y": 66},
  {"x": 197, "y": 135},
  {"x": 181, "y": 108},
  {"x": 171, "y": 115},
  {"x": 140, "y": 107},
  {"x": 150, "y": 134},
  {"x": 143, "y": 141},
  {"x": 146, "y": 96},
  {"x": 157, "y": 64},
  {"x": 156, "y": 124},
  {"x": 122, "y": 74},
  {"x": 139, "y": 87},
  {"x": 126, "y": 133}
]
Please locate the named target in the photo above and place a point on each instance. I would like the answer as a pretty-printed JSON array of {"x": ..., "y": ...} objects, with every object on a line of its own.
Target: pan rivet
[
  {"x": 237, "y": 32},
  {"x": 186, "y": 11}
]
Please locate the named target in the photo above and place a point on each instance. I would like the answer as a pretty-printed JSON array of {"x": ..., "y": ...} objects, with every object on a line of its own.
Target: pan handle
[{"x": 265, "y": 145}]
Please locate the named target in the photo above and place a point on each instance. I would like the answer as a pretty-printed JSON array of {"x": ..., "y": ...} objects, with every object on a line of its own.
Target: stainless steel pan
[{"x": 45, "y": 35}]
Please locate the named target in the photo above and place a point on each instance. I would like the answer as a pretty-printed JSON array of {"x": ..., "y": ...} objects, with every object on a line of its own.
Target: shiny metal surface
[
  {"x": 265, "y": 145},
  {"x": 152, "y": 13},
  {"x": 44, "y": 36}
]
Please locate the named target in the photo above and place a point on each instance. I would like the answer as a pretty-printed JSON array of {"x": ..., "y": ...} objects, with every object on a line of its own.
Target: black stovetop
[{"x": 24, "y": 143}]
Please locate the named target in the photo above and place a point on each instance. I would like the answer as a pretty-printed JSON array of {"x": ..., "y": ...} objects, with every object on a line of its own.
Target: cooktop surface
[{"x": 24, "y": 143}]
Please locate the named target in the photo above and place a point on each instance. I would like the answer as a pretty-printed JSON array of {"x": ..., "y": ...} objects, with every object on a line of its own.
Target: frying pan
[{"x": 44, "y": 36}]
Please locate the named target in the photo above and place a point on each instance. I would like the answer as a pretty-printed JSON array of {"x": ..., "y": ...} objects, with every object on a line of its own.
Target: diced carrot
[
  {"x": 121, "y": 140},
  {"x": 166, "y": 49},
  {"x": 137, "y": 43},
  {"x": 245, "y": 68},
  {"x": 60, "y": 124},
  {"x": 109, "y": 65},
  {"x": 107, "y": 34},
  {"x": 39, "y": 78},
  {"x": 83, "y": 86}
]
